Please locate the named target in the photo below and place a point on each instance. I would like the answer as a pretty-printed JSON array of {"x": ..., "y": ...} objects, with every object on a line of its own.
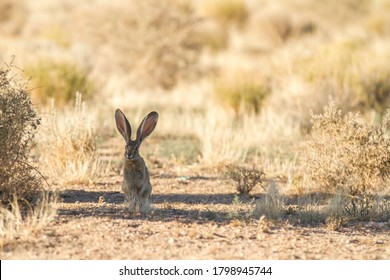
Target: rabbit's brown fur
[
  {"x": 136, "y": 184},
  {"x": 136, "y": 181}
]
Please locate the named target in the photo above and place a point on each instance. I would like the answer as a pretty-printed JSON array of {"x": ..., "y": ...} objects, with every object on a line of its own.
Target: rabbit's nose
[
  {"x": 131, "y": 155},
  {"x": 128, "y": 155}
]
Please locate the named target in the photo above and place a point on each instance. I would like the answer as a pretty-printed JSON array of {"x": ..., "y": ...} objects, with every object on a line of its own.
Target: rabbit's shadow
[
  {"x": 110, "y": 204},
  {"x": 112, "y": 197}
]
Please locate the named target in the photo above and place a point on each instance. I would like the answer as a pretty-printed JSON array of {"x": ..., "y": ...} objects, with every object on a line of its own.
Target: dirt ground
[{"x": 194, "y": 217}]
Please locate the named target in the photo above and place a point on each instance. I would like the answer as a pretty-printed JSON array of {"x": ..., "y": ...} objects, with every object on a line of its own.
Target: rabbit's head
[{"x": 144, "y": 130}]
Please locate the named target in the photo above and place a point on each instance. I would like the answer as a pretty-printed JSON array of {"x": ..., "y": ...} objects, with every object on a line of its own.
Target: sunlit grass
[{"x": 19, "y": 225}]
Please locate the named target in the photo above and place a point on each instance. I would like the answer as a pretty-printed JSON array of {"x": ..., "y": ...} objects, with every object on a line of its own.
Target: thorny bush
[
  {"x": 347, "y": 155},
  {"x": 18, "y": 124}
]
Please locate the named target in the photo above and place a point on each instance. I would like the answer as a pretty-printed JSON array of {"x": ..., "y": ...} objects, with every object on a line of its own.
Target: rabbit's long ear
[
  {"x": 147, "y": 126},
  {"x": 123, "y": 125}
]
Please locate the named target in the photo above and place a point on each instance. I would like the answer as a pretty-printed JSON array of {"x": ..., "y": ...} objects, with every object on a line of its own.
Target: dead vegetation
[
  {"x": 18, "y": 124},
  {"x": 350, "y": 157},
  {"x": 245, "y": 178},
  {"x": 19, "y": 226},
  {"x": 24, "y": 208}
]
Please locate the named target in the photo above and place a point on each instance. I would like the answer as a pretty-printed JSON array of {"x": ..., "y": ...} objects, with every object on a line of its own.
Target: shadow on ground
[
  {"x": 77, "y": 196},
  {"x": 112, "y": 206}
]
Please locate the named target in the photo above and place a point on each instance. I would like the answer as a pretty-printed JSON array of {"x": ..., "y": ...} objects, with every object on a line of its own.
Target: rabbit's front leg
[
  {"x": 144, "y": 206},
  {"x": 133, "y": 200},
  {"x": 130, "y": 195}
]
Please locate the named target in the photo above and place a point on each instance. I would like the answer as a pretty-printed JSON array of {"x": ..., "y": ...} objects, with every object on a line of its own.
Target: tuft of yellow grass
[
  {"x": 58, "y": 80},
  {"x": 67, "y": 144},
  {"x": 18, "y": 225},
  {"x": 271, "y": 205},
  {"x": 353, "y": 72},
  {"x": 242, "y": 94},
  {"x": 225, "y": 11}
]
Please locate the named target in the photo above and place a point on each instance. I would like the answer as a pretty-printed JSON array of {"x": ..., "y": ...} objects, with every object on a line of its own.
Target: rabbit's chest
[{"x": 135, "y": 174}]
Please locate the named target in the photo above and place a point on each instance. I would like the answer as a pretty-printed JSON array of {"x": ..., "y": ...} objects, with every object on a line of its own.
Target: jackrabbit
[{"x": 136, "y": 182}]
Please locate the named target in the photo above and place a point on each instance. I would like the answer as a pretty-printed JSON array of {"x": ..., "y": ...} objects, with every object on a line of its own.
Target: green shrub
[
  {"x": 347, "y": 155},
  {"x": 18, "y": 124},
  {"x": 59, "y": 81}
]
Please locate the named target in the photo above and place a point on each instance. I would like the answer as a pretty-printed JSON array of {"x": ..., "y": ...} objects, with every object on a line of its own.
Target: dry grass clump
[
  {"x": 349, "y": 156},
  {"x": 354, "y": 73},
  {"x": 342, "y": 209},
  {"x": 271, "y": 205},
  {"x": 17, "y": 225},
  {"x": 310, "y": 212},
  {"x": 59, "y": 81},
  {"x": 223, "y": 139},
  {"x": 242, "y": 94},
  {"x": 67, "y": 144},
  {"x": 225, "y": 11},
  {"x": 18, "y": 124},
  {"x": 376, "y": 84},
  {"x": 245, "y": 178},
  {"x": 13, "y": 14},
  {"x": 178, "y": 149},
  {"x": 155, "y": 43}
]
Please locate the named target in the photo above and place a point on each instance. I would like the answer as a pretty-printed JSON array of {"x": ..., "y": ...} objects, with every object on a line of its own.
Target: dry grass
[
  {"x": 353, "y": 72},
  {"x": 242, "y": 94},
  {"x": 59, "y": 81},
  {"x": 68, "y": 143},
  {"x": 18, "y": 225},
  {"x": 347, "y": 155},
  {"x": 271, "y": 205}
]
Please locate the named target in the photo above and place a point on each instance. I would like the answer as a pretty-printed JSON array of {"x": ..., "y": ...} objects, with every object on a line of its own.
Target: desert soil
[{"x": 194, "y": 217}]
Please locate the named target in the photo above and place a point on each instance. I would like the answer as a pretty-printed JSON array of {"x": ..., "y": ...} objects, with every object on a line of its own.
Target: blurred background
[{"x": 234, "y": 81}]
